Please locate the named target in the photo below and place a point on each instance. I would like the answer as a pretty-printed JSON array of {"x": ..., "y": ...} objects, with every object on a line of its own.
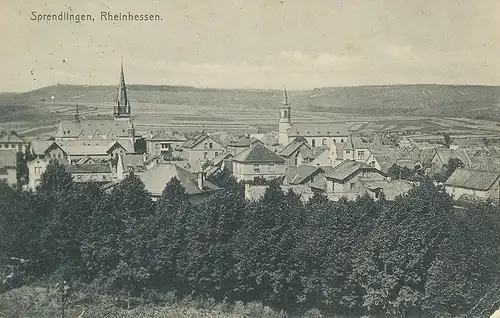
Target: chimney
[{"x": 200, "y": 179}]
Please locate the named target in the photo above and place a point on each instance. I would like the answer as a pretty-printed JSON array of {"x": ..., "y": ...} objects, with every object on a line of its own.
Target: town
[{"x": 328, "y": 157}]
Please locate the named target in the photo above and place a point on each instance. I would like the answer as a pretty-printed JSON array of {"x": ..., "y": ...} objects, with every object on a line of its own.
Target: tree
[
  {"x": 397, "y": 172},
  {"x": 140, "y": 145},
  {"x": 446, "y": 140},
  {"x": 55, "y": 180},
  {"x": 448, "y": 169}
]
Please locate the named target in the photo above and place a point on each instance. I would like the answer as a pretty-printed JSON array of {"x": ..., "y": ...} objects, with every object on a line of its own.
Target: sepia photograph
[{"x": 237, "y": 158}]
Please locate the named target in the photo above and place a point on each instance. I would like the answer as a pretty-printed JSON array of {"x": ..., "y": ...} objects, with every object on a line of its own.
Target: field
[{"x": 413, "y": 108}]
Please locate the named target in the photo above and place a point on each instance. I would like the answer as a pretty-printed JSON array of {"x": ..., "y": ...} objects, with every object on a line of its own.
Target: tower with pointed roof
[
  {"x": 121, "y": 109},
  {"x": 285, "y": 121}
]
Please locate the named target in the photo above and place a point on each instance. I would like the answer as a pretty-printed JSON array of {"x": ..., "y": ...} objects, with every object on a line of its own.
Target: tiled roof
[
  {"x": 347, "y": 168},
  {"x": 89, "y": 168},
  {"x": 469, "y": 143},
  {"x": 472, "y": 179},
  {"x": 318, "y": 129},
  {"x": 258, "y": 153},
  {"x": 293, "y": 146},
  {"x": 133, "y": 160},
  {"x": 89, "y": 147},
  {"x": 156, "y": 178},
  {"x": 220, "y": 157},
  {"x": 111, "y": 128},
  {"x": 299, "y": 174},
  {"x": 12, "y": 138},
  {"x": 167, "y": 136},
  {"x": 320, "y": 183},
  {"x": 8, "y": 159},
  {"x": 38, "y": 147},
  {"x": 196, "y": 140}
]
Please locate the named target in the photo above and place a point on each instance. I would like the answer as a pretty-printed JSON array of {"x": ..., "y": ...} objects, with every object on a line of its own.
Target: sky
[{"x": 252, "y": 44}]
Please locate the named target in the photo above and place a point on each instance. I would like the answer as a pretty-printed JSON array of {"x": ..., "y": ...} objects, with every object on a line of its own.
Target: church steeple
[
  {"x": 285, "y": 120},
  {"x": 121, "y": 109}
]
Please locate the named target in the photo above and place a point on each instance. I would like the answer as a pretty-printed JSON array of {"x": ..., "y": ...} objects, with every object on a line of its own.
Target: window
[
  {"x": 165, "y": 146},
  {"x": 38, "y": 170},
  {"x": 205, "y": 155},
  {"x": 216, "y": 153},
  {"x": 323, "y": 142},
  {"x": 361, "y": 155},
  {"x": 352, "y": 186},
  {"x": 313, "y": 143},
  {"x": 210, "y": 145},
  {"x": 272, "y": 167},
  {"x": 205, "y": 146},
  {"x": 59, "y": 156},
  {"x": 342, "y": 140},
  {"x": 256, "y": 168}
]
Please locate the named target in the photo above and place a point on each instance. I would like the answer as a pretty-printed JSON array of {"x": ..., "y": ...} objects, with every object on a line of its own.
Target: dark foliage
[{"x": 414, "y": 256}]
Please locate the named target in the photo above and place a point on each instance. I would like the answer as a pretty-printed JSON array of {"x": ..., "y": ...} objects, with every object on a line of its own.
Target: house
[
  {"x": 341, "y": 178},
  {"x": 196, "y": 185},
  {"x": 127, "y": 164},
  {"x": 304, "y": 175},
  {"x": 36, "y": 168},
  {"x": 258, "y": 161},
  {"x": 478, "y": 184},
  {"x": 165, "y": 144},
  {"x": 202, "y": 148},
  {"x": 101, "y": 173},
  {"x": 8, "y": 166},
  {"x": 467, "y": 143},
  {"x": 46, "y": 149},
  {"x": 11, "y": 141},
  {"x": 236, "y": 145},
  {"x": 102, "y": 150},
  {"x": 297, "y": 152},
  {"x": 219, "y": 163}
]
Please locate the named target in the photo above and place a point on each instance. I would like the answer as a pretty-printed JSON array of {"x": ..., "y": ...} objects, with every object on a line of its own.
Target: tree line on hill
[{"x": 414, "y": 256}]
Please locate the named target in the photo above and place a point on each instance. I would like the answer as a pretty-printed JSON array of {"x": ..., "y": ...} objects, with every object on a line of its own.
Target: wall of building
[
  {"x": 155, "y": 147},
  {"x": 203, "y": 152},
  {"x": 35, "y": 169},
  {"x": 9, "y": 175},
  {"x": 457, "y": 192},
  {"x": 248, "y": 172},
  {"x": 322, "y": 141}
]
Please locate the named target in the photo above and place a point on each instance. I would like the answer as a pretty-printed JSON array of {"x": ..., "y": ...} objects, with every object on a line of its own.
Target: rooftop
[
  {"x": 258, "y": 153},
  {"x": 472, "y": 179}
]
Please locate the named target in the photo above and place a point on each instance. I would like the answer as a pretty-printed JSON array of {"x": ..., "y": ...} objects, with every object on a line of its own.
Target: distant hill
[{"x": 479, "y": 102}]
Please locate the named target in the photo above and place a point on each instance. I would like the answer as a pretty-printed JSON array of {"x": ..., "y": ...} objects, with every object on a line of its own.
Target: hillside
[{"x": 477, "y": 102}]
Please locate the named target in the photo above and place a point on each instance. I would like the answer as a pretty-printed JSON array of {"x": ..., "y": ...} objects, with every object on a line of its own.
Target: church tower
[
  {"x": 285, "y": 120},
  {"x": 121, "y": 109}
]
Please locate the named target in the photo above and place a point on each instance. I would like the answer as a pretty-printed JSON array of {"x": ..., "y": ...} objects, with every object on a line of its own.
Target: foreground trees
[{"x": 413, "y": 256}]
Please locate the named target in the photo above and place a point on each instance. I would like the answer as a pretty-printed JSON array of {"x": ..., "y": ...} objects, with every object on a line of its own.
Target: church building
[
  {"x": 119, "y": 128},
  {"x": 318, "y": 135}
]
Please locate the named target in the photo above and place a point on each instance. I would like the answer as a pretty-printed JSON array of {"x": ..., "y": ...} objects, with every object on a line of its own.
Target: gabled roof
[
  {"x": 472, "y": 179},
  {"x": 133, "y": 160},
  {"x": 469, "y": 143},
  {"x": 156, "y": 178},
  {"x": 11, "y": 138},
  {"x": 38, "y": 147},
  {"x": 88, "y": 147},
  {"x": 72, "y": 129},
  {"x": 191, "y": 143},
  {"x": 347, "y": 168},
  {"x": 300, "y": 174},
  {"x": 318, "y": 129},
  {"x": 89, "y": 168},
  {"x": 293, "y": 146},
  {"x": 220, "y": 157},
  {"x": 166, "y": 136},
  {"x": 8, "y": 159},
  {"x": 258, "y": 153},
  {"x": 241, "y": 141}
]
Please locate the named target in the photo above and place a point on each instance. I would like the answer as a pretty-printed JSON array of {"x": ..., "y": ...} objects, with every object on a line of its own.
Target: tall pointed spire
[
  {"x": 122, "y": 105},
  {"x": 285, "y": 96}
]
